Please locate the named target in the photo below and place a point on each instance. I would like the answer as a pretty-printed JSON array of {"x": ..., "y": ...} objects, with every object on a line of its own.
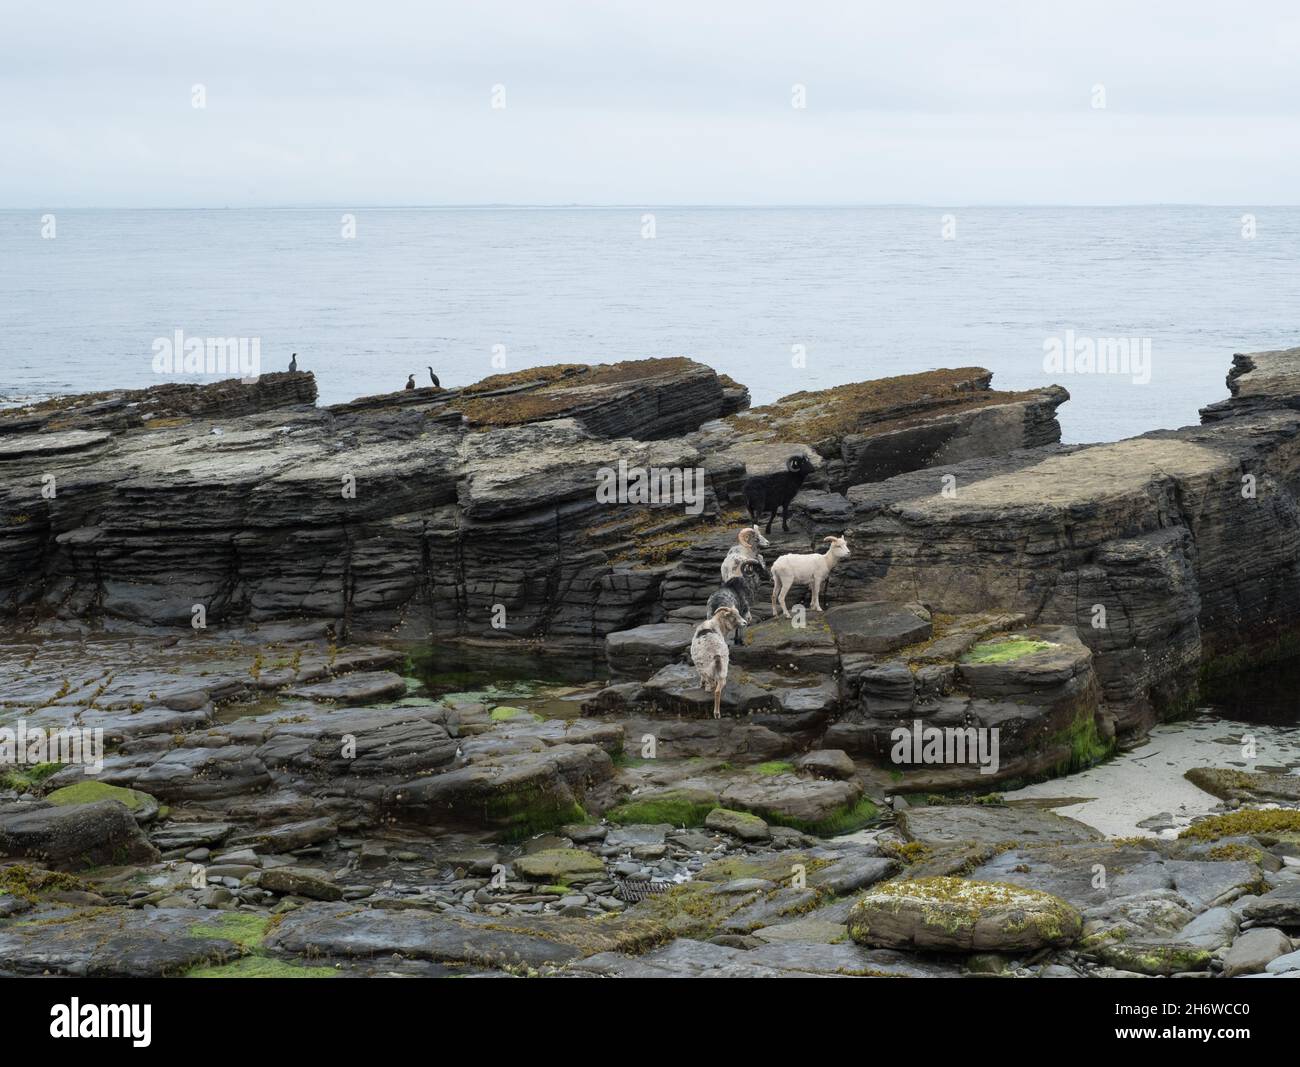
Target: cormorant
[
  {"x": 293, "y": 364},
  {"x": 410, "y": 382},
  {"x": 436, "y": 384}
]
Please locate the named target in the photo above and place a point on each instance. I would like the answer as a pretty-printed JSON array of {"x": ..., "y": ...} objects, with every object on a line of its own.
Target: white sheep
[
  {"x": 808, "y": 568},
  {"x": 710, "y": 654},
  {"x": 748, "y": 542}
]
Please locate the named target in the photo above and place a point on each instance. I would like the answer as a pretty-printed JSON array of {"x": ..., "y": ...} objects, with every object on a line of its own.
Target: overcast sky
[{"x": 663, "y": 102}]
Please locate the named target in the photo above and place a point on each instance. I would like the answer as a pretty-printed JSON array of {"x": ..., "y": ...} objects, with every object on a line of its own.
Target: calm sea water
[{"x": 867, "y": 292}]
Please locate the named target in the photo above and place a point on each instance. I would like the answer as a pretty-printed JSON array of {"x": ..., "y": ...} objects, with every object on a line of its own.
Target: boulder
[
  {"x": 1278, "y": 907},
  {"x": 738, "y": 823},
  {"x": 956, "y": 915},
  {"x": 1254, "y": 950},
  {"x": 299, "y": 882},
  {"x": 74, "y": 836},
  {"x": 827, "y": 763},
  {"x": 557, "y": 866}
]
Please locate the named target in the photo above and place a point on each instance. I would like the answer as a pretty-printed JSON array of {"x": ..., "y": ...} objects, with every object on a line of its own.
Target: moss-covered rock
[
  {"x": 261, "y": 967},
  {"x": 1229, "y": 784},
  {"x": 246, "y": 929},
  {"x": 142, "y": 805},
  {"x": 25, "y": 778},
  {"x": 1004, "y": 650},
  {"x": 956, "y": 915},
  {"x": 505, "y": 713},
  {"x": 1252, "y": 822},
  {"x": 558, "y": 866},
  {"x": 739, "y": 824},
  {"x": 33, "y": 884},
  {"x": 1157, "y": 958},
  {"x": 678, "y": 807}
]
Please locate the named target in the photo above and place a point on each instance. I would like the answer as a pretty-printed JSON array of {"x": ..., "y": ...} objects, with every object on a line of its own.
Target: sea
[{"x": 782, "y": 299}]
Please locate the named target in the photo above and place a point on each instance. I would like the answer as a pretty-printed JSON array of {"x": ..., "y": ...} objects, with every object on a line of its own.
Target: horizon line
[{"x": 635, "y": 205}]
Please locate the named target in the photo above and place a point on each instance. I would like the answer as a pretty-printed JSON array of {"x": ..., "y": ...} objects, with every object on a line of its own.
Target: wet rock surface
[{"x": 294, "y": 792}]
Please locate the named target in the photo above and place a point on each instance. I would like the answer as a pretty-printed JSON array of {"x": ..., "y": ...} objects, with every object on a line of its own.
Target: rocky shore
[{"x": 278, "y": 615}]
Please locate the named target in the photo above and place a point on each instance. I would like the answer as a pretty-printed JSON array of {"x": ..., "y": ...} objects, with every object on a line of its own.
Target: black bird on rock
[
  {"x": 436, "y": 384},
  {"x": 410, "y": 382},
  {"x": 293, "y": 364}
]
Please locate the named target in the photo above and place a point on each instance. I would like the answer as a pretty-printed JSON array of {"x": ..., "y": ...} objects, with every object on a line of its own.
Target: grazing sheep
[
  {"x": 740, "y": 593},
  {"x": 748, "y": 543},
  {"x": 710, "y": 654},
  {"x": 811, "y": 568},
  {"x": 773, "y": 492}
]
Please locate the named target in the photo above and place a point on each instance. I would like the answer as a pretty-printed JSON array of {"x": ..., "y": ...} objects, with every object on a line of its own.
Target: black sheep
[
  {"x": 770, "y": 493},
  {"x": 739, "y": 593}
]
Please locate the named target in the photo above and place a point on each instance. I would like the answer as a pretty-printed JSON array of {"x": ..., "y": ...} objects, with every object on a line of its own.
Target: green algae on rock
[
  {"x": 558, "y": 866},
  {"x": 1004, "y": 650},
  {"x": 946, "y": 914},
  {"x": 1252, "y": 822},
  {"x": 141, "y": 805},
  {"x": 261, "y": 967},
  {"x": 677, "y": 807},
  {"x": 1154, "y": 958}
]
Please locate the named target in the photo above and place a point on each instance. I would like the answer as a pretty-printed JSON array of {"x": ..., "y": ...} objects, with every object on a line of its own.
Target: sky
[{"x": 391, "y": 103}]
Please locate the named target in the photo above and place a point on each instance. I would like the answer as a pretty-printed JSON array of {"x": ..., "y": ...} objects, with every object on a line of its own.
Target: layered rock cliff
[
  {"x": 475, "y": 513},
  {"x": 454, "y": 513}
]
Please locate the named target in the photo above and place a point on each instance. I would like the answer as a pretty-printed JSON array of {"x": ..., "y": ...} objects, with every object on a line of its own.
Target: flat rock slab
[
  {"x": 683, "y": 958},
  {"x": 995, "y": 669},
  {"x": 847, "y": 959},
  {"x": 789, "y": 798},
  {"x": 289, "y": 837},
  {"x": 687, "y": 958},
  {"x": 853, "y": 872},
  {"x": 187, "y": 835},
  {"x": 346, "y": 930},
  {"x": 18, "y": 446},
  {"x": 363, "y": 687},
  {"x": 1280, "y": 907},
  {"x": 956, "y": 915},
  {"x": 676, "y": 688},
  {"x": 877, "y": 626},
  {"x": 1133, "y": 874},
  {"x": 978, "y": 824},
  {"x": 504, "y": 791},
  {"x": 812, "y": 929},
  {"x": 641, "y": 651},
  {"x": 120, "y": 943},
  {"x": 300, "y": 882},
  {"x": 778, "y": 643},
  {"x": 1213, "y": 930},
  {"x": 199, "y": 773}
]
